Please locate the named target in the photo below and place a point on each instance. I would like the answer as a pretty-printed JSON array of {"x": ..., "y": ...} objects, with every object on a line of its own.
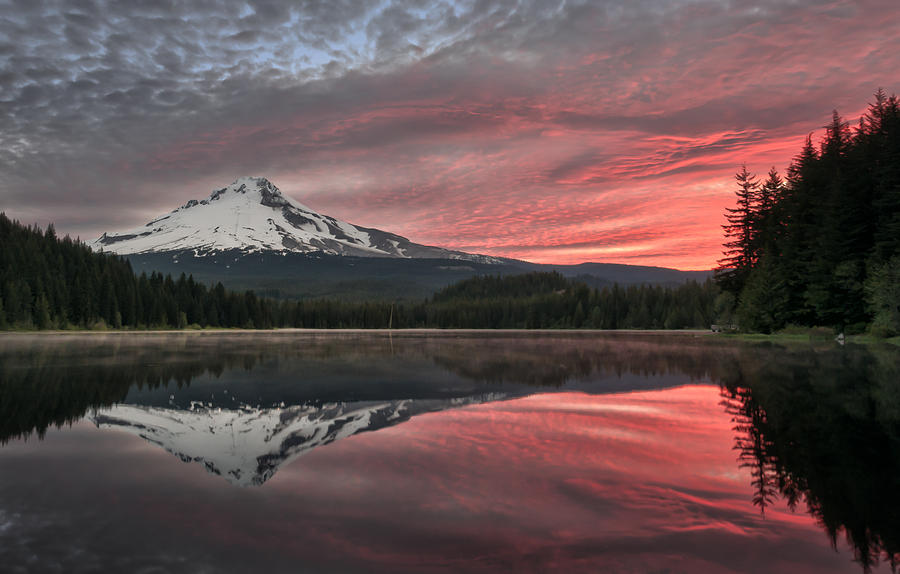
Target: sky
[{"x": 556, "y": 132}]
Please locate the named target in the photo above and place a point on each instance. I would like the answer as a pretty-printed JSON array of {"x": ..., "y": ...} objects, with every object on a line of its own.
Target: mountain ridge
[
  {"x": 251, "y": 215},
  {"x": 313, "y": 275}
]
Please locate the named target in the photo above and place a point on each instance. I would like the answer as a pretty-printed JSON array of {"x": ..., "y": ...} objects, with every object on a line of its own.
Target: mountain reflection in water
[{"x": 816, "y": 428}]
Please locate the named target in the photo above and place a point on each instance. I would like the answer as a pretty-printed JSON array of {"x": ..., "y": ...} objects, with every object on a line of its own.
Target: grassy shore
[{"x": 807, "y": 337}]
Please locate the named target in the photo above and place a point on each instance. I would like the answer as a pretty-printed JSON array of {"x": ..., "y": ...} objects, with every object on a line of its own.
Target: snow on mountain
[
  {"x": 247, "y": 445},
  {"x": 252, "y": 215}
]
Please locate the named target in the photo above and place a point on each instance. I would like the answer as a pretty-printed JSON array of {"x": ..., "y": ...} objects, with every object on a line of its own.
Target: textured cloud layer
[{"x": 557, "y": 132}]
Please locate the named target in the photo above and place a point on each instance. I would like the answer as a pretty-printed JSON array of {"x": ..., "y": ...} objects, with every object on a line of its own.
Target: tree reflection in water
[{"x": 822, "y": 427}]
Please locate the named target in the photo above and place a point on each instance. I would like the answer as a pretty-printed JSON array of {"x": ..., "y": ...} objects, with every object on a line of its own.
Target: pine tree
[
  {"x": 883, "y": 294},
  {"x": 882, "y": 135},
  {"x": 739, "y": 232},
  {"x": 765, "y": 218},
  {"x": 763, "y": 301},
  {"x": 42, "y": 313}
]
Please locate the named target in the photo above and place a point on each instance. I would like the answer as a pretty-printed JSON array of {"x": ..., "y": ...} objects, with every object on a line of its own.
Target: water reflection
[
  {"x": 585, "y": 451},
  {"x": 49, "y": 382},
  {"x": 823, "y": 429},
  {"x": 242, "y": 411}
]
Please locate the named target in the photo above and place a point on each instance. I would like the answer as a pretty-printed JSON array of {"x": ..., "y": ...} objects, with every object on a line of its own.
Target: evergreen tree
[
  {"x": 763, "y": 300},
  {"x": 42, "y": 313},
  {"x": 740, "y": 234},
  {"x": 765, "y": 221},
  {"x": 883, "y": 293}
]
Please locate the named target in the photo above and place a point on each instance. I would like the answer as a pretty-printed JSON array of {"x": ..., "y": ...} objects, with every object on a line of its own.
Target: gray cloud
[{"x": 106, "y": 103}]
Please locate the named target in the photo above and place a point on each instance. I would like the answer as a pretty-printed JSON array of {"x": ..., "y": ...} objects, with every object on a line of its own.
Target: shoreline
[
  {"x": 783, "y": 338},
  {"x": 301, "y": 331}
]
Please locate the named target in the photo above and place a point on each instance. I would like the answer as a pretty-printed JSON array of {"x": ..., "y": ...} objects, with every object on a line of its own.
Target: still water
[{"x": 450, "y": 452}]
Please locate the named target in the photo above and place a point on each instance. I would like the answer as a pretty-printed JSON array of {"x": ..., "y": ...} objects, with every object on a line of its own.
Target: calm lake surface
[{"x": 449, "y": 452}]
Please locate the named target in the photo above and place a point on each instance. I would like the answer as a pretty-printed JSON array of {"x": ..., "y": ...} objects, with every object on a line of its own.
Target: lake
[{"x": 446, "y": 452}]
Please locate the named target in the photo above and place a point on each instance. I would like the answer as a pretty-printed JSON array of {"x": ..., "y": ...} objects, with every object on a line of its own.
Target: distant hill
[{"x": 313, "y": 275}]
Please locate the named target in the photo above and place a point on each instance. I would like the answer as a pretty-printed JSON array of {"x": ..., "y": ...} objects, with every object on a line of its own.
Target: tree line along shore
[{"x": 820, "y": 246}]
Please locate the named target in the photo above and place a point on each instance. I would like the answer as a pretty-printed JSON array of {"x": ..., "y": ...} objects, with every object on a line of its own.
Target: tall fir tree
[{"x": 739, "y": 258}]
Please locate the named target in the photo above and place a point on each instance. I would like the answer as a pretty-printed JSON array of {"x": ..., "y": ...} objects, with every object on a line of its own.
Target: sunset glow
[{"x": 556, "y": 133}]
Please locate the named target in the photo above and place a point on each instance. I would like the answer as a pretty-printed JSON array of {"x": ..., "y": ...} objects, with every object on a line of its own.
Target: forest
[
  {"x": 820, "y": 246},
  {"x": 52, "y": 283}
]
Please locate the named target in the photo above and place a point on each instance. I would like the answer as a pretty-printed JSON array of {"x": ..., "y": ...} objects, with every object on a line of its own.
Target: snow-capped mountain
[
  {"x": 247, "y": 445},
  {"x": 252, "y": 215}
]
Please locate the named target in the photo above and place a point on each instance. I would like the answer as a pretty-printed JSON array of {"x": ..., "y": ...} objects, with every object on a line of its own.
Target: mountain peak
[
  {"x": 251, "y": 215},
  {"x": 251, "y": 180},
  {"x": 270, "y": 195},
  {"x": 250, "y": 183}
]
